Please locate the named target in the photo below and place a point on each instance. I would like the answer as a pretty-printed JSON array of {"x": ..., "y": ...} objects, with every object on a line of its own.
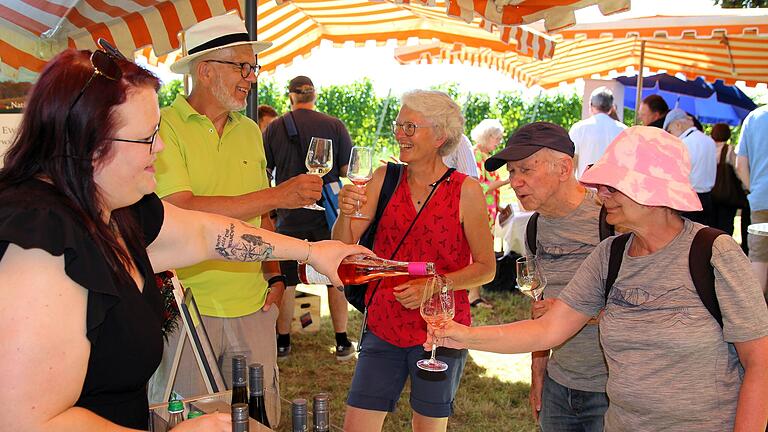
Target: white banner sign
[{"x": 9, "y": 125}]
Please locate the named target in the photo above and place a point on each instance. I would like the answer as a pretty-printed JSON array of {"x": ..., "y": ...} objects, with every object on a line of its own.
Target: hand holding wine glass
[
  {"x": 438, "y": 307},
  {"x": 530, "y": 279},
  {"x": 319, "y": 161},
  {"x": 360, "y": 171}
]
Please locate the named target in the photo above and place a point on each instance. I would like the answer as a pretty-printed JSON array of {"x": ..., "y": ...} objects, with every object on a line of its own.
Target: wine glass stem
[
  {"x": 358, "y": 207},
  {"x": 434, "y": 350}
]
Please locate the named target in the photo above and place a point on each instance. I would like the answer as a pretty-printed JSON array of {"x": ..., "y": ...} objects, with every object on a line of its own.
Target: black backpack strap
[
  {"x": 614, "y": 262},
  {"x": 391, "y": 181},
  {"x": 702, "y": 272},
  {"x": 531, "y": 231},
  {"x": 290, "y": 128},
  {"x": 606, "y": 230}
]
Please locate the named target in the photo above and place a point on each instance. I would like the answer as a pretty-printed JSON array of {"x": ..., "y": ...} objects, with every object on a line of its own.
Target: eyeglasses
[
  {"x": 104, "y": 65},
  {"x": 149, "y": 140},
  {"x": 610, "y": 189},
  {"x": 245, "y": 68},
  {"x": 409, "y": 128}
]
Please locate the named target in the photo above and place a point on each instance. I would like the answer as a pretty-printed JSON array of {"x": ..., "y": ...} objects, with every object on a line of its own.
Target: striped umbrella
[
  {"x": 32, "y": 31},
  {"x": 731, "y": 46}
]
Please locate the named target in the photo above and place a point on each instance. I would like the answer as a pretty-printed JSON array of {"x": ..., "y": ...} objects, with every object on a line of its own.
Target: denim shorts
[
  {"x": 382, "y": 369},
  {"x": 564, "y": 409}
]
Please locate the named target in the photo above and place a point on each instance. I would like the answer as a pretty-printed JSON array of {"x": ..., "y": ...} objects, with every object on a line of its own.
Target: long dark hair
[{"x": 39, "y": 150}]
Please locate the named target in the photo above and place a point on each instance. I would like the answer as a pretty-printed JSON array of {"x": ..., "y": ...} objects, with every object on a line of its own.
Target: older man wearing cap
[
  {"x": 214, "y": 162},
  {"x": 568, "y": 386},
  {"x": 672, "y": 365},
  {"x": 702, "y": 150},
  {"x": 286, "y": 141}
]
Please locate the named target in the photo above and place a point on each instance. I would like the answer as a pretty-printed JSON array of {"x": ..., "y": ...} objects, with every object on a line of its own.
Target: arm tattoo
[{"x": 245, "y": 248}]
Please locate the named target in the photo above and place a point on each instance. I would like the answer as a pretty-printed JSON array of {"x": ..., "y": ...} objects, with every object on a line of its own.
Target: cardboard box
[{"x": 306, "y": 313}]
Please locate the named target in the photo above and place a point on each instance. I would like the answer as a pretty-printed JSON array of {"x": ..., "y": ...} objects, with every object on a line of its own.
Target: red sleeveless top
[{"x": 438, "y": 236}]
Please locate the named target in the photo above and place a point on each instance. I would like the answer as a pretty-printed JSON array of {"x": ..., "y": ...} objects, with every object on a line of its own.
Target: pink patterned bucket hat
[{"x": 650, "y": 166}]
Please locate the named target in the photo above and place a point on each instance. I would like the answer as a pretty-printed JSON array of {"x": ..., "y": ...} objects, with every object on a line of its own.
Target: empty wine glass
[
  {"x": 319, "y": 161},
  {"x": 360, "y": 171},
  {"x": 530, "y": 279},
  {"x": 437, "y": 308}
]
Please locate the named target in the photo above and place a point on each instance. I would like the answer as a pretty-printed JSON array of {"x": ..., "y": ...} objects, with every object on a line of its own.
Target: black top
[
  {"x": 123, "y": 324},
  {"x": 288, "y": 159}
]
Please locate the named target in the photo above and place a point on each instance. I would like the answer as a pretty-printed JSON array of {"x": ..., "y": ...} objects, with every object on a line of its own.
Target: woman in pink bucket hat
[{"x": 674, "y": 364}]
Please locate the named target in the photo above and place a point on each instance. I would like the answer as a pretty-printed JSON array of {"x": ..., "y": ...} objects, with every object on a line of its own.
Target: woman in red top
[{"x": 451, "y": 231}]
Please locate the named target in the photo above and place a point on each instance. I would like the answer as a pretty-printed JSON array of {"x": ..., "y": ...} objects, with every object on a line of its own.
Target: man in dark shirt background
[
  {"x": 285, "y": 157},
  {"x": 653, "y": 110}
]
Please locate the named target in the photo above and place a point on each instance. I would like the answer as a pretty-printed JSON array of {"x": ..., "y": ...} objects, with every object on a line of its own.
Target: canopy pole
[
  {"x": 639, "y": 97},
  {"x": 250, "y": 24}
]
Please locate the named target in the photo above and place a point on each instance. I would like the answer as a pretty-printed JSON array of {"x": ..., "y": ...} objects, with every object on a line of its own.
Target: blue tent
[{"x": 710, "y": 103}]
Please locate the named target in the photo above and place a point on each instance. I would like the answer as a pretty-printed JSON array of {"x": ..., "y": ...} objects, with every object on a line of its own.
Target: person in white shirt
[
  {"x": 702, "y": 150},
  {"x": 462, "y": 158},
  {"x": 592, "y": 135}
]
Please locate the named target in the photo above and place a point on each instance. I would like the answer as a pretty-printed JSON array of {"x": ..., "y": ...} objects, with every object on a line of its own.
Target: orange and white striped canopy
[
  {"x": 557, "y": 14},
  {"x": 32, "y": 31},
  {"x": 732, "y": 46}
]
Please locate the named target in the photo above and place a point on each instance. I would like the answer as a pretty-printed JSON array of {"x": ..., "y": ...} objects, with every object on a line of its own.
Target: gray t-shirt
[
  {"x": 562, "y": 244},
  {"x": 671, "y": 366}
]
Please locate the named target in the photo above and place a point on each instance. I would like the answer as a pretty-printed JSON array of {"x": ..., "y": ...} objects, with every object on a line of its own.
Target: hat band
[{"x": 220, "y": 41}]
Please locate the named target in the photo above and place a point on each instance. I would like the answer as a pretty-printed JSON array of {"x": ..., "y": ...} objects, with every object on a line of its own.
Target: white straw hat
[{"x": 217, "y": 32}]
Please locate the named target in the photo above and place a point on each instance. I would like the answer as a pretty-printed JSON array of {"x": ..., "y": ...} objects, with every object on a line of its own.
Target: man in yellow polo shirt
[{"x": 214, "y": 161}]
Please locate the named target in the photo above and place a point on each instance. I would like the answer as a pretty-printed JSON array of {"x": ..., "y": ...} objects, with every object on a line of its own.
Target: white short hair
[
  {"x": 441, "y": 111},
  {"x": 486, "y": 129}
]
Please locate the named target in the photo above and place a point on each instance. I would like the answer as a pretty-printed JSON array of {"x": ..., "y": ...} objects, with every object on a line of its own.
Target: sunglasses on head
[{"x": 104, "y": 65}]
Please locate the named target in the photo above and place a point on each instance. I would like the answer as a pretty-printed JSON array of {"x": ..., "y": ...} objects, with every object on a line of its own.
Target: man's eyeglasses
[
  {"x": 409, "y": 128},
  {"x": 245, "y": 68}
]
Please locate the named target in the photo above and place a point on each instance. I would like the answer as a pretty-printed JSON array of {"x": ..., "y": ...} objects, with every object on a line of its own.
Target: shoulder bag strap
[
  {"x": 531, "y": 231},
  {"x": 614, "y": 262},
  {"x": 413, "y": 222},
  {"x": 702, "y": 272},
  {"x": 290, "y": 129}
]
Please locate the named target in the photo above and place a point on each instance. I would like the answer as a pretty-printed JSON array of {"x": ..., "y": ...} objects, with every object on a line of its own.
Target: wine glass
[
  {"x": 437, "y": 308},
  {"x": 360, "y": 171},
  {"x": 319, "y": 161},
  {"x": 530, "y": 279}
]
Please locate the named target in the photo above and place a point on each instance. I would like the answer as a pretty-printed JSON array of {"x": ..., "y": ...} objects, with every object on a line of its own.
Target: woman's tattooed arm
[{"x": 243, "y": 247}]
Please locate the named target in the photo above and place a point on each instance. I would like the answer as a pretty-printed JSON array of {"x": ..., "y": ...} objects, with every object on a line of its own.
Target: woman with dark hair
[
  {"x": 81, "y": 234},
  {"x": 448, "y": 226}
]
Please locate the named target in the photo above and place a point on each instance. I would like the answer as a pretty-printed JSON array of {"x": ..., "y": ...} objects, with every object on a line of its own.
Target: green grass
[{"x": 493, "y": 395}]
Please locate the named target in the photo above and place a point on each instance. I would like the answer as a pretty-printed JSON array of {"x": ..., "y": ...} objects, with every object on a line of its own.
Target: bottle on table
[
  {"x": 361, "y": 268},
  {"x": 256, "y": 408},
  {"x": 175, "y": 413},
  {"x": 321, "y": 416},
  {"x": 240, "y": 417},
  {"x": 239, "y": 383},
  {"x": 299, "y": 415}
]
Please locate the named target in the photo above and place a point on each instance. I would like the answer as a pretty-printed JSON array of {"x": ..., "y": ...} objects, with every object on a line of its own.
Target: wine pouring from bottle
[{"x": 360, "y": 268}]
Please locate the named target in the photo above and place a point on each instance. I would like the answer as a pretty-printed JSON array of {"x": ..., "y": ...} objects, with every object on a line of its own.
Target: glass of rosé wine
[
  {"x": 360, "y": 171},
  {"x": 437, "y": 308}
]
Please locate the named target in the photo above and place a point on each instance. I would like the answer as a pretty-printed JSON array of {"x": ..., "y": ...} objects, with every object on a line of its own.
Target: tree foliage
[
  {"x": 369, "y": 117},
  {"x": 168, "y": 92},
  {"x": 732, "y": 4}
]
